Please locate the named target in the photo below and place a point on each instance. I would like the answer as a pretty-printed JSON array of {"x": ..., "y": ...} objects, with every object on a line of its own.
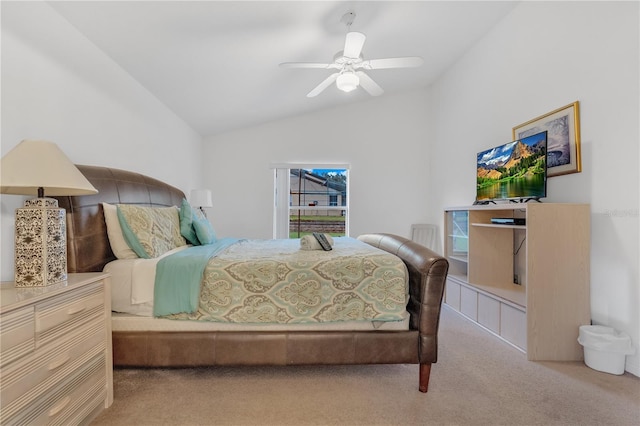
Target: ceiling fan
[{"x": 349, "y": 64}]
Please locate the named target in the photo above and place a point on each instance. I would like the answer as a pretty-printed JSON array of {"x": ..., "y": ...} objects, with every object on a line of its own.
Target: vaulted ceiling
[{"x": 215, "y": 63}]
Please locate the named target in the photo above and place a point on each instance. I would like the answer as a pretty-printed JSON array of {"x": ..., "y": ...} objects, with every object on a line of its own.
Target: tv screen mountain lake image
[{"x": 513, "y": 170}]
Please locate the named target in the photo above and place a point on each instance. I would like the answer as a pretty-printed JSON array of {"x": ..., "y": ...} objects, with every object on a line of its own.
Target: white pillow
[{"x": 118, "y": 244}]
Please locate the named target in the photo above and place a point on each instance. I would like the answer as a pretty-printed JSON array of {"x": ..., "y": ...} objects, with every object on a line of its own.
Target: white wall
[
  {"x": 542, "y": 56},
  {"x": 58, "y": 86},
  {"x": 384, "y": 141}
]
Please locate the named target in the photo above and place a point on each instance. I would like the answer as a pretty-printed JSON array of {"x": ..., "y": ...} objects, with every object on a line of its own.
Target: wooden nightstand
[{"x": 55, "y": 351}]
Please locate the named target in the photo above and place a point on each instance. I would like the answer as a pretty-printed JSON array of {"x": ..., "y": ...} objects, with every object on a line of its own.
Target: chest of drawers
[{"x": 55, "y": 351}]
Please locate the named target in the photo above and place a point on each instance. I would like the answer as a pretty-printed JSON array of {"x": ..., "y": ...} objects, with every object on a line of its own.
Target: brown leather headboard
[{"x": 88, "y": 248}]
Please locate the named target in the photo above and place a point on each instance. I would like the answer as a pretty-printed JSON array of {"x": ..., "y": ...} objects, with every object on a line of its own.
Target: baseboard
[{"x": 632, "y": 365}]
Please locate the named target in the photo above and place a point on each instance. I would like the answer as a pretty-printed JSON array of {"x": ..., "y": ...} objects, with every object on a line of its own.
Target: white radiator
[{"x": 427, "y": 235}]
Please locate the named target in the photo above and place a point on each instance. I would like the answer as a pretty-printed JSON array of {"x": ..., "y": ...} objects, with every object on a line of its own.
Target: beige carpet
[{"x": 478, "y": 380}]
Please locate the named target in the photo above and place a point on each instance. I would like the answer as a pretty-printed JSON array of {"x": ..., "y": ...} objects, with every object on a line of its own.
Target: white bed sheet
[{"x": 132, "y": 284}]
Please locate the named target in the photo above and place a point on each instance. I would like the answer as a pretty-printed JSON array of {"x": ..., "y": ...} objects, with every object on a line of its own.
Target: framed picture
[{"x": 563, "y": 138}]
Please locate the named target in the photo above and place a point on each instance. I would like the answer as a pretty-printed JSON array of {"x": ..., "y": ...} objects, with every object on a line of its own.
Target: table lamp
[
  {"x": 201, "y": 198},
  {"x": 34, "y": 167}
]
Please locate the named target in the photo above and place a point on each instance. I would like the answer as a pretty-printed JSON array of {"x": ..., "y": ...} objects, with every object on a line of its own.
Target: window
[{"x": 311, "y": 198}]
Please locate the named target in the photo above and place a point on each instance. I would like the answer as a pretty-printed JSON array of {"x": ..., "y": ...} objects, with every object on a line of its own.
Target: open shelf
[
  {"x": 459, "y": 258},
  {"x": 495, "y": 225},
  {"x": 459, "y": 277}
]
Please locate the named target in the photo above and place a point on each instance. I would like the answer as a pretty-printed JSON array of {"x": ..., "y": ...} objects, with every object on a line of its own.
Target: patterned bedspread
[{"x": 273, "y": 281}]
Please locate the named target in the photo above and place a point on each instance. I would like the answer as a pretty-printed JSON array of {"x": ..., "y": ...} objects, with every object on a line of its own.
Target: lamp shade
[
  {"x": 34, "y": 164},
  {"x": 201, "y": 198}
]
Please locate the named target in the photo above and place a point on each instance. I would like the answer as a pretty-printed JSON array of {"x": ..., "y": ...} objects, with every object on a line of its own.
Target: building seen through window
[{"x": 317, "y": 201}]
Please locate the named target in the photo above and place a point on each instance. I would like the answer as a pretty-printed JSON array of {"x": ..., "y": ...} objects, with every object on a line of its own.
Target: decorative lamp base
[{"x": 40, "y": 243}]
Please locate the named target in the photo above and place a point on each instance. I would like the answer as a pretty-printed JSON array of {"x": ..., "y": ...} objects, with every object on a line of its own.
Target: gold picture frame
[{"x": 563, "y": 138}]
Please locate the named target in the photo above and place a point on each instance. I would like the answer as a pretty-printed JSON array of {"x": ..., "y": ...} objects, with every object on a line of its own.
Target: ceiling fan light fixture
[{"x": 347, "y": 81}]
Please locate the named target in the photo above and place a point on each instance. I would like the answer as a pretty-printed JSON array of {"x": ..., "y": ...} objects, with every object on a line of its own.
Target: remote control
[{"x": 323, "y": 241}]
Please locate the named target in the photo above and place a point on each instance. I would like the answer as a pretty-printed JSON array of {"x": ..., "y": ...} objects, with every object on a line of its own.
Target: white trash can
[{"x": 605, "y": 349}]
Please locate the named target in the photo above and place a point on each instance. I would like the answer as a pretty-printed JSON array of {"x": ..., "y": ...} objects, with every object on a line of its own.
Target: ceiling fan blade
[
  {"x": 369, "y": 85},
  {"x": 305, "y": 65},
  {"x": 379, "y": 64},
  {"x": 320, "y": 87},
  {"x": 353, "y": 44}
]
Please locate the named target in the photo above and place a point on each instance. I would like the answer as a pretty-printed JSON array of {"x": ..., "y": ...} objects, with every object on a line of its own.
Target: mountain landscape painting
[
  {"x": 563, "y": 138},
  {"x": 558, "y": 146}
]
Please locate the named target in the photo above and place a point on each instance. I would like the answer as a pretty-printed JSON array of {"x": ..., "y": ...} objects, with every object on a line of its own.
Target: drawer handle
[
  {"x": 55, "y": 410},
  {"x": 58, "y": 363},
  {"x": 76, "y": 310}
]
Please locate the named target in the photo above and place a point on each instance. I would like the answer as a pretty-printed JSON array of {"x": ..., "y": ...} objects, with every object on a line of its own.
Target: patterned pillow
[{"x": 150, "y": 231}]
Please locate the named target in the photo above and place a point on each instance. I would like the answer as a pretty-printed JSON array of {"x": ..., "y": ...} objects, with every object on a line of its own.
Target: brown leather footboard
[{"x": 427, "y": 277}]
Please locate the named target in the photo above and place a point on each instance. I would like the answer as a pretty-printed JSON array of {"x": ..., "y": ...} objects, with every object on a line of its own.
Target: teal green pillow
[
  {"x": 186, "y": 223},
  {"x": 203, "y": 228}
]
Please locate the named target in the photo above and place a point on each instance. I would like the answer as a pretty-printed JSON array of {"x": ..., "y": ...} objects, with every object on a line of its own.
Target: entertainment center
[{"x": 527, "y": 284}]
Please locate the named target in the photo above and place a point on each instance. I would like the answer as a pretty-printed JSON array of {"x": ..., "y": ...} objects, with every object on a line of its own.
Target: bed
[{"x": 141, "y": 340}]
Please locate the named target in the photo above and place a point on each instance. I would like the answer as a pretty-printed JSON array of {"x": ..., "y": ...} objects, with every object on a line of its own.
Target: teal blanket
[{"x": 180, "y": 270}]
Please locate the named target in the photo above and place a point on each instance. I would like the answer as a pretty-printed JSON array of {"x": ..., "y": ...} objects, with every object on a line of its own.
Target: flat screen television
[{"x": 515, "y": 171}]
